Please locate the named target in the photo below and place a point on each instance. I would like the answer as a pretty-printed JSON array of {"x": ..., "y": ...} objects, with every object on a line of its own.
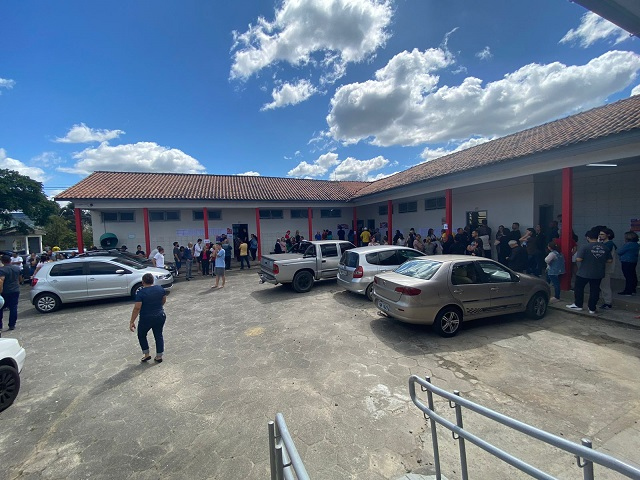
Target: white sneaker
[
  {"x": 592, "y": 312},
  {"x": 573, "y": 306},
  {"x": 554, "y": 300}
]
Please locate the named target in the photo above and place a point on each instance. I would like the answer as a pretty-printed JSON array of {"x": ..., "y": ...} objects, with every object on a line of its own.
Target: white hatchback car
[
  {"x": 90, "y": 278},
  {"x": 12, "y": 357}
]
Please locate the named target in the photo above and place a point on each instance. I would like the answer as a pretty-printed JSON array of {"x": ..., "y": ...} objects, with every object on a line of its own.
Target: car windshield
[
  {"x": 128, "y": 263},
  {"x": 423, "y": 269}
]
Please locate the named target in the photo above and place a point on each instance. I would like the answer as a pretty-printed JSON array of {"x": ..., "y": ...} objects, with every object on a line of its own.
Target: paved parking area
[{"x": 337, "y": 371}]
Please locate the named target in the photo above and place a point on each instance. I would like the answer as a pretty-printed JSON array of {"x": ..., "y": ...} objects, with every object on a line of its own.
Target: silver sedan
[{"x": 444, "y": 290}]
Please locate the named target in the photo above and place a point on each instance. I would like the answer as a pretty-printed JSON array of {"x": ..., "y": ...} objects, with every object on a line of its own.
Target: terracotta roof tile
[
  {"x": 600, "y": 122},
  {"x": 151, "y": 186}
]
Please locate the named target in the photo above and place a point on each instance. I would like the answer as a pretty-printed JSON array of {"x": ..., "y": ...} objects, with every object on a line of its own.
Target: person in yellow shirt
[
  {"x": 244, "y": 254},
  {"x": 365, "y": 236}
]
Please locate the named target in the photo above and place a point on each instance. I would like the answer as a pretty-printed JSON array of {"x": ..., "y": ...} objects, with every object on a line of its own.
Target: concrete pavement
[{"x": 337, "y": 371}]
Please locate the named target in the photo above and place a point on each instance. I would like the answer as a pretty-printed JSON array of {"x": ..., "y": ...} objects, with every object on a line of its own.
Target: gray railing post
[
  {"x": 272, "y": 448},
  {"x": 585, "y": 464},
  {"x": 279, "y": 463},
  {"x": 461, "y": 445},
  {"x": 434, "y": 434}
]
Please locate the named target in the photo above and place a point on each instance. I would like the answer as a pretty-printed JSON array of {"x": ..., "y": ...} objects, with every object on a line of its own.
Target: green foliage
[
  {"x": 59, "y": 233},
  {"x": 19, "y": 192}
]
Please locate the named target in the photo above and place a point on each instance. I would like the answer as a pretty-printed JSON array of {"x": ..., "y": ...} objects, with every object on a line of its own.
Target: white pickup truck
[{"x": 320, "y": 260}]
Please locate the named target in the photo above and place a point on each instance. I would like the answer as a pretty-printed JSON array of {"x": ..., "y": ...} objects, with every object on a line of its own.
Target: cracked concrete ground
[{"x": 337, "y": 371}]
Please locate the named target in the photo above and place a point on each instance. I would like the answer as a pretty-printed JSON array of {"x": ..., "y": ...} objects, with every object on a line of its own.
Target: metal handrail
[
  {"x": 584, "y": 454},
  {"x": 283, "y": 454}
]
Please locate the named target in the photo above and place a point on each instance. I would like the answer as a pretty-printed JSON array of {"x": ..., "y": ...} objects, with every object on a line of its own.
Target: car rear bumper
[
  {"x": 357, "y": 285},
  {"x": 423, "y": 315},
  {"x": 268, "y": 278}
]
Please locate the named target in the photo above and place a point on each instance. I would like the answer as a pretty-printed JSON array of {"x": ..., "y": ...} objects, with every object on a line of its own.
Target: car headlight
[{"x": 163, "y": 276}]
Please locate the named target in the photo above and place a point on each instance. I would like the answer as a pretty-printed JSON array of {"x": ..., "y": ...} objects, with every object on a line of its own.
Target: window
[
  {"x": 331, "y": 213},
  {"x": 67, "y": 269},
  {"x": 103, "y": 268},
  {"x": 301, "y": 213},
  {"x": 164, "y": 216},
  {"x": 344, "y": 246},
  {"x": 329, "y": 250},
  {"x": 436, "y": 203},
  {"x": 383, "y": 210},
  {"x": 408, "y": 207},
  {"x": 271, "y": 214},
  {"x": 388, "y": 257},
  {"x": 118, "y": 217},
  {"x": 211, "y": 214},
  {"x": 495, "y": 273},
  {"x": 464, "y": 274},
  {"x": 404, "y": 255}
]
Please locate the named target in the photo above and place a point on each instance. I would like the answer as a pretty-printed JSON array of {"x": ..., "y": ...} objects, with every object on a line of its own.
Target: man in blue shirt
[
  {"x": 187, "y": 256},
  {"x": 219, "y": 264}
]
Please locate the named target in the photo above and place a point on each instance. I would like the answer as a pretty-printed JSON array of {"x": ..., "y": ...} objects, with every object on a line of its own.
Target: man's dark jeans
[
  {"x": 594, "y": 291},
  {"x": 155, "y": 323},
  {"x": 11, "y": 304}
]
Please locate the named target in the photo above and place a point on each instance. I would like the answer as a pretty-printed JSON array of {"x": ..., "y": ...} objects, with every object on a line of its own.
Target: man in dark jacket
[{"x": 518, "y": 258}]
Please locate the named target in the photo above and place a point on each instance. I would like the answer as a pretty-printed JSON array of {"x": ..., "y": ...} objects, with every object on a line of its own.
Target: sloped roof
[
  {"x": 176, "y": 186},
  {"x": 599, "y": 122}
]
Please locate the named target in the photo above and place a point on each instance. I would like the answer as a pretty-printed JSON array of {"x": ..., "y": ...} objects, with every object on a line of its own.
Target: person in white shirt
[
  {"x": 158, "y": 258},
  {"x": 16, "y": 260},
  {"x": 197, "y": 253}
]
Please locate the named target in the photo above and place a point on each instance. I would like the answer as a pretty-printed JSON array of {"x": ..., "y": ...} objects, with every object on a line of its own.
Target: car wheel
[
  {"x": 9, "y": 385},
  {"x": 302, "y": 282},
  {"x": 135, "y": 289},
  {"x": 369, "y": 291},
  {"x": 448, "y": 321},
  {"x": 46, "y": 303},
  {"x": 537, "y": 306}
]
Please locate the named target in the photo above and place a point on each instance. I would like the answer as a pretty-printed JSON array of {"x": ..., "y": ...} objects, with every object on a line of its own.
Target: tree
[
  {"x": 19, "y": 192},
  {"x": 68, "y": 213},
  {"x": 59, "y": 233}
]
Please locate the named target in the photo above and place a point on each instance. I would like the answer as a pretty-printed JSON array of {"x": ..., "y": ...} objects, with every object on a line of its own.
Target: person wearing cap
[{"x": 518, "y": 258}]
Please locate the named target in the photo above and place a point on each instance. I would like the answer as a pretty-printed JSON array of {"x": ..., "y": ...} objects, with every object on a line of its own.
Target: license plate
[{"x": 383, "y": 306}]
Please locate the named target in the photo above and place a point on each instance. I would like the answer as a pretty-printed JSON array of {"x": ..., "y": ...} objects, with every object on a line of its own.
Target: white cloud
[
  {"x": 635, "y": 91},
  {"x": 316, "y": 169},
  {"x": 47, "y": 159},
  {"x": 6, "y": 83},
  {"x": 83, "y": 134},
  {"x": 249, "y": 174},
  {"x": 8, "y": 163},
  {"x": 290, "y": 94},
  {"x": 326, "y": 33},
  {"x": 352, "y": 169},
  {"x": 593, "y": 28},
  {"x": 135, "y": 157},
  {"x": 405, "y": 106},
  {"x": 484, "y": 54},
  {"x": 433, "y": 153}
]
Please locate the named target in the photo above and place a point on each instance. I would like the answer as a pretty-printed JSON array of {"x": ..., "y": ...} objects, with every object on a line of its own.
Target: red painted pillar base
[
  {"x": 205, "y": 216},
  {"x": 78, "y": 216}
]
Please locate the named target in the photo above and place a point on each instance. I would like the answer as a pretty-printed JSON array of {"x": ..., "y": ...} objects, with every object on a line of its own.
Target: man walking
[
  {"x": 592, "y": 260},
  {"x": 10, "y": 280},
  {"x": 218, "y": 254},
  {"x": 176, "y": 257},
  {"x": 188, "y": 260},
  {"x": 158, "y": 258},
  {"x": 197, "y": 252},
  {"x": 244, "y": 254}
]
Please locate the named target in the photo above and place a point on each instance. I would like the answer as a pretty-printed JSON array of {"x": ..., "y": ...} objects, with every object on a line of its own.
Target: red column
[
  {"x": 567, "y": 222},
  {"x": 78, "y": 216},
  {"x": 310, "y": 222},
  {"x": 389, "y": 222},
  {"x": 355, "y": 226},
  {"x": 147, "y": 238},
  {"x": 205, "y": 215},
  {"x": 448, "y": 212},
  {"x": 258, "y": 233}
]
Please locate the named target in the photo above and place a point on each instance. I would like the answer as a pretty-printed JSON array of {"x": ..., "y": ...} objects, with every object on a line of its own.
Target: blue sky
[{"x": 326, "y": 89}]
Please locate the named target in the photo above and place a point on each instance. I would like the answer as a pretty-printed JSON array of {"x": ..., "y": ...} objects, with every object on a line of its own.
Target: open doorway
[{"x": 240, "y": 233}]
